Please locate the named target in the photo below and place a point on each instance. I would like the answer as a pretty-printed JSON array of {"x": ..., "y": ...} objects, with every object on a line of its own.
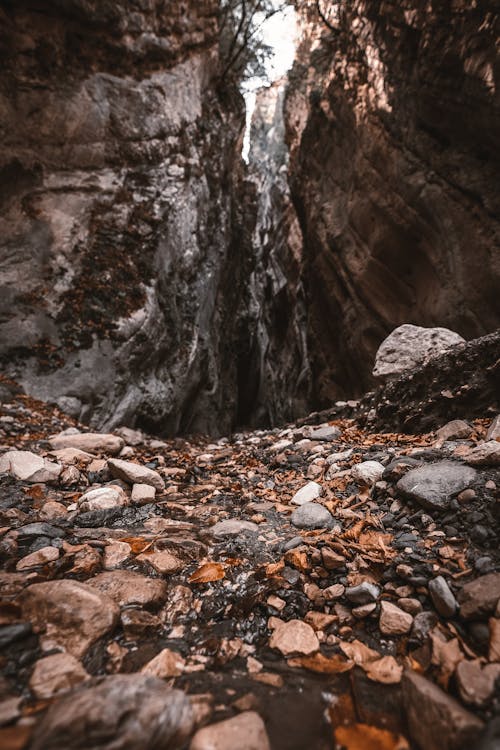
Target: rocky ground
[{"x": 315, "y": 586}]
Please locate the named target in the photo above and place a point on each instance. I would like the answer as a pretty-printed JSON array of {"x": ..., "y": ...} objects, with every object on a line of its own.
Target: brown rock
[
  {"x": 70, "y": 614},
  {"x": 165, "y": 664},
  {"x": 52, "y": 509},
  {"x": 494, "y": 653},
  {"x": 485, "y": 454},
  {"x": 479, "y": 598},
  {"x": 142, "y": 494},
  {"x": 135, "y": 473},
  {"x": 126, "y": 587},
  {"x": 139, "y": 623},
  {"x": 163, "y": 562},
  {"x": 40, "y": 557},
  {"x": 436, "y": 720},
  {"x": 393, "y": 620},
  {"x": 56, "y": 674},
  {"x": 246, "y": 731},
  {"x": 116, "y": 553},
  {"x": 455, "y": 430},
  {"x": 294, "y": 637},
  {"x": 28, "y": 467},
  {"x": 331, "y": 560},
  {"x": 476, "y": 682},
  {"x": 122, "y": 712},
  {"x": 494, "y": 429},
  {"x": 89, "y": 442}
]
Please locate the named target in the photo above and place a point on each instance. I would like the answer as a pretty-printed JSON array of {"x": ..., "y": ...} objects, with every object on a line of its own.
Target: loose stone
[
  {"x": 135, "y": 473},
  {"x": 310, "y": 491},
  {"x": 246, "y": 731},
  {"x": 312, "y": 516},
  {"x": 393, "y": 620},
  {"x": 442, "y": 597}
]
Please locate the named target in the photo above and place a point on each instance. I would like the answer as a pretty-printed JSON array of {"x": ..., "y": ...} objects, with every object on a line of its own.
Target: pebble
[
  {"x": 442, "y": 597},
  {"x": 327, "y": 433},
  {"x": 393, "y": 620},
  {"x": 55, "y": 674},
  {"x": 433, "y": 486},
  {"x": 135, "y": 473},
  {"x": 163, "y": 562},
  {"x": 294, "y": 637},
  {"x": 367, "y": 472},
  {"x": 476, "y": 681},
  {"x": 131, "y": 711},
  {"x": 116, "y": 553},
  {"x": 90, "y": 442},
  {"x": 410, "y": 605},
  {"x": 246, "y": 731},
  {"x": 423, "y": 623},
  {"x": 165, "y": 664},
  {"x": 310, "y": 491},
  {"x": 126, "y": 588},
  {"x": 363, "y": 593},
  {"x": 102, "y": 499},
  {"x": 232, "y": 527},
  {"x": 312, "y": 516}
]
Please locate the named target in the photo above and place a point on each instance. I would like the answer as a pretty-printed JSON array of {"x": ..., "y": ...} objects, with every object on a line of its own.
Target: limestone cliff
[
  {"x": 393, "y": 123},
  {"x": 121, "y": 271}
]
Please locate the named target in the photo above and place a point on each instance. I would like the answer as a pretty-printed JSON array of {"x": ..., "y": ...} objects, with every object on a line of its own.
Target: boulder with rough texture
[
  {"x": 69, "y": 614},
  {"x": 127, "y": 587},
  {"x": 135, "y": 473},
  {"x": 122, "y": 712},
  {"x": 56, "y": 674},
  {"x": 457, "y": 429},
  {"x": 246, "y": 731},
  {"x": 485, "y": 454},
  {"x": 433, "y": 486},
  {"x": 436, "y": 720},
  {"x": 89, "y": 442},
  {"x": 28, "y": 467},
  {"x": 409, "y": 346}
]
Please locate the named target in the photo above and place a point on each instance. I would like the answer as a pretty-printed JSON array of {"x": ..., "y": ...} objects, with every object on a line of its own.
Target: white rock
[
  {"x": 135, "y": 473},
  {"x": 28, "y": 467},
  {"x": 142, "y": 494},
  {"x": 307, "y": 493},
  {"x": 367, "y": 472},
  {"x": 409, "y": 346},
  {"x": 102, "y": 498}
]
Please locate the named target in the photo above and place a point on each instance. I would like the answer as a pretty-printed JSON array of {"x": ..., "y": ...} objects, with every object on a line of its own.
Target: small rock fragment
[
  {"x": 232, "y": 527},
  {"x": 479, "y": 598},
  {"x": 246, "y": 731},
  {"x": 28, "y": 467},
  {"x": 135, "y": 473},
  {"x": 56, "y": 674},
  {"x": 294, "y": 637},
  {"x": 312, "y": 516},
  {"x": 363, "y": 593},
  {"x": 494, "y": 429},
  {"x": 126, "y": 588},
  {"x": 367, "y": 472},
  {"x": 163, "y": 562},
  {"x": 143, "y": 494},
  {"x": 165, "y": 664},
  {"x": 393, "y": 620},
  {"x": 457, "y": 429},
  {"x": 484, "y": 454},
  {"x": 102, "y": 499},
  {"x": 90, "y": 442},
  {"x": 476, "y": 682}
]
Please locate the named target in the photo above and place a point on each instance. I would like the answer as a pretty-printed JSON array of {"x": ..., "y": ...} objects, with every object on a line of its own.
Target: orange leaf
[
  {"x": 273, "y": 569},
  {"x": 208, "y": 572},
  {"x": 137, "y": 543},
  {"x": 364, "y": 736},
  {"x": 322, "y": 664}
]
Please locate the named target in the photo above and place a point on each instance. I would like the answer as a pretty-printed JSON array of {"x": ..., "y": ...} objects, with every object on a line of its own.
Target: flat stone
[
  {"x": 484, "y": 454},
  {"x": 393, "y": 620},
  {"x": 126, "y": 587},
  {"x": 365, "y": 610},
  {"x": 330, "y": 559},
  {"x": 56, "y": 674},
  {"x": 40, "y": 529},
  {"x": 246, "y": 731},
  {"x": 40, "y": 557},
  {"x": 442, "y": 597},
  {"x": 70, "y": 614},
  {"x": 165, "y": 664},
  {"x": 294, "y": 637},
  {"x": 163, "y": 562},
  {"x": 475, "y": 681},
  {"x": 232, "y": 527},
  {"x": 121, "y": 712},
  {"x": 363, "y": 593},
  {"x": 73, "y": 456},
  {"x": 367, "y": 472},
  {"x": 479, "y": 598},
  {"x": 433, "y": 486},
  {"x": 143, "y": 494},
  {"x": 326, "y": 434},
  {"x": 138, "y": 624},
  {"x": 409, "y": 346},
  {"x": 493, "y": 432},
  {"x": 28, "y": 467},
  {"x": 90, "y": 442},
  {"x": 312, "y": 516},
  {"x": 307, "y": 493},
  {"x": 116, "y": 553},
  {"x": 102, "y": 498},
  {"x": 135, "y": 473},
  {"x": 436, "y": 720}
]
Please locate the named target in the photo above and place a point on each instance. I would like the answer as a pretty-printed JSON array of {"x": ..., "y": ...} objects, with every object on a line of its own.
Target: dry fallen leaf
[
  {"x": 364, "y": 736},
  {"x": 207, "y": 573},
  {"x": 322, "y": 664},
  {"x": 137, "y": 543}
]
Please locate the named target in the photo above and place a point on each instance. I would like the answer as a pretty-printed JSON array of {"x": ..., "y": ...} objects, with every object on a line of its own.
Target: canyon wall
[
  {"x": 393, "y": 124},
  {"x": 123, "y": 276}
]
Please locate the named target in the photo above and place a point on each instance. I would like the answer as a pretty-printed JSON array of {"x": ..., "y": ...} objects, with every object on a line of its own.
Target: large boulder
[
  {"x": 433, "y": 486},
  {"x": 409, "y": 346}
]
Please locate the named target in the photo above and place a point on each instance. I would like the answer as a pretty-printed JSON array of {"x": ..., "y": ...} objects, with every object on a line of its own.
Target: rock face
[
  {"x": 121, "y": 268},
  {"x": 393, "y": 127}
]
